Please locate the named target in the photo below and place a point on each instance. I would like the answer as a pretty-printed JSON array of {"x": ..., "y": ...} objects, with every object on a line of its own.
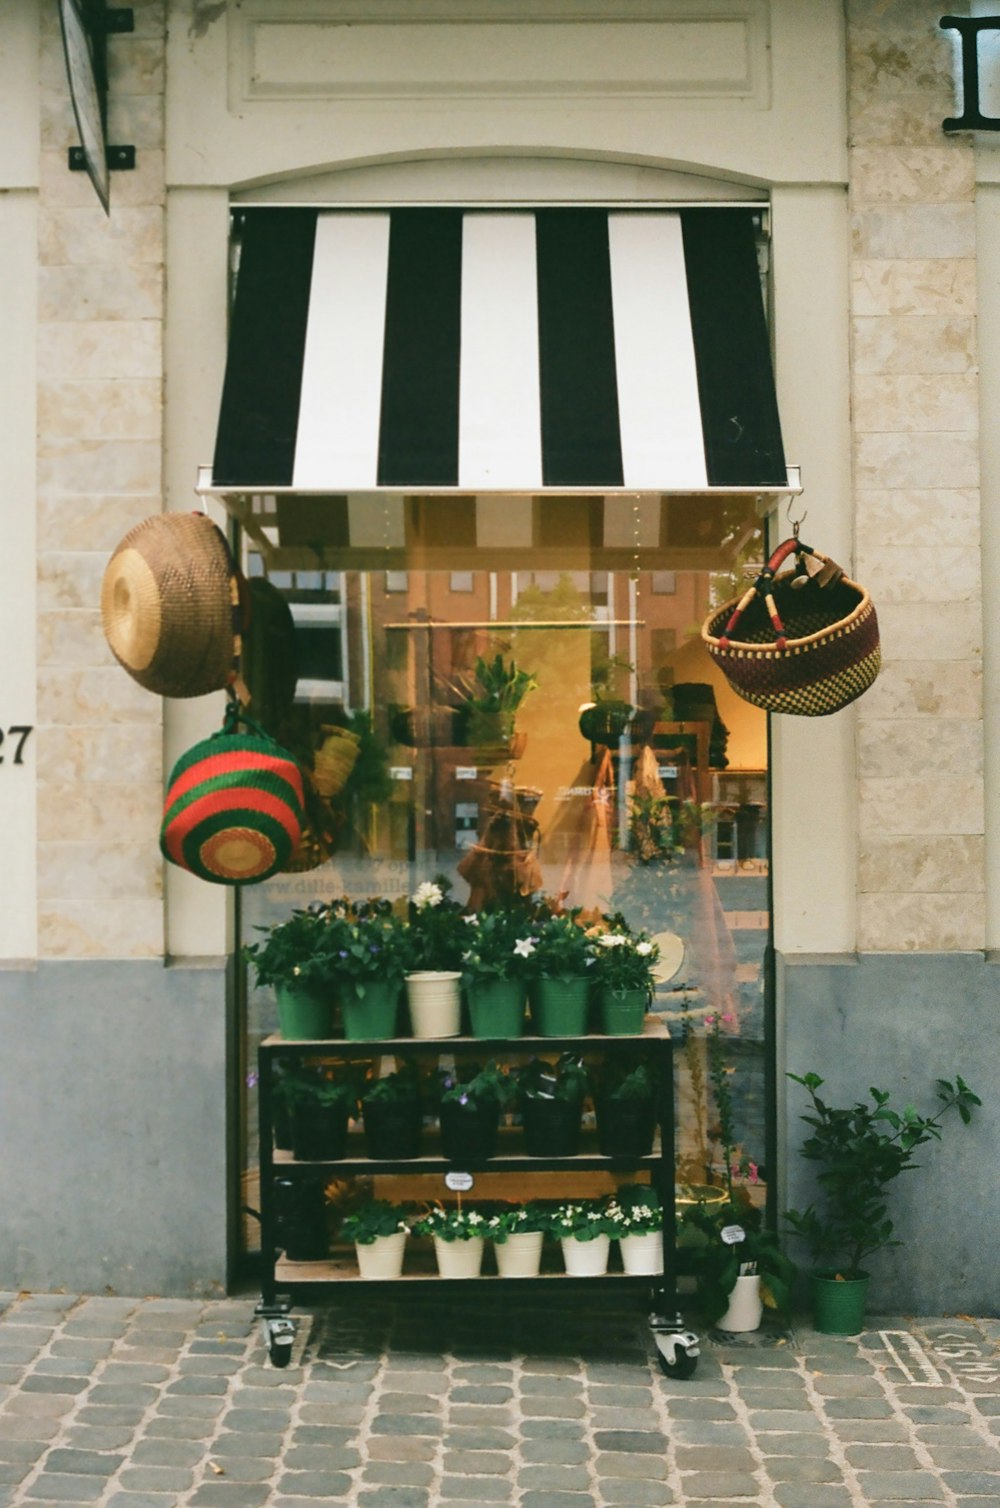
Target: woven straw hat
[{"x": 170, "y": 605}]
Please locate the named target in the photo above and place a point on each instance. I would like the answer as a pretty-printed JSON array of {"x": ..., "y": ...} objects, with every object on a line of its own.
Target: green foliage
[
  {"x": 860, "y": 1149},
  {"x": 473, "y": 1085},
  {"x": 562, "y": 948},
  {"x": 499, "y": 686},
  {"x": 624, "y": 1081},
  {"x": 400, "y": 1087},
  {"x": 566, "y": 1079},
  {"x": 624, "y": 960},
  {"x": 437, "y": 934},
  {"x": 516, "y": 1220},
  {"x": 585, "y": 1219},
  {"x": 450, "y": 1223},
  {"x": 491, "y": 945},
  {"x": 377, "y": 1218},
  {"x": 296, "y": 951},
  {"x": 319, "y": 1089},
  {"x": 367, "y": 941}
]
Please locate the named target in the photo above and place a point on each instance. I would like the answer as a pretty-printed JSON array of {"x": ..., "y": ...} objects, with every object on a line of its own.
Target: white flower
[
  {"x": 644, "y": 949},
  {"x": 296, "y": 970},
  {"x": 612, "y": 939},
  {"x": 471, "y": 919},
  {"x": 524, "y": 947},
  {"x": 428, "y": 894}
]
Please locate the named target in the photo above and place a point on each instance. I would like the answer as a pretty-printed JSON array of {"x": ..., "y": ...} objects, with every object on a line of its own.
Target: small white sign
[
  {"x": 459, "y": 1183},
  {"x": 667, "y": 771},
  {"x": 401, "y": 771},
  {"x": 465, "y": 772},
  {"x": 733, "y": 1234}
]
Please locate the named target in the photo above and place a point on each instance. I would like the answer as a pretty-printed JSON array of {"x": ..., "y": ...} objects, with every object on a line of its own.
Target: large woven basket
[
  {"x": 797, "y": 643},
  {"x": 170, "y": 606},
  {"x": 233, "y": 812}
]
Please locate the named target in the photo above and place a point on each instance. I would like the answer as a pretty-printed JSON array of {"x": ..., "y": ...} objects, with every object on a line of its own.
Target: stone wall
[
  {"x": 921, "y": 878},
  {"x": 99, "y": 459}
]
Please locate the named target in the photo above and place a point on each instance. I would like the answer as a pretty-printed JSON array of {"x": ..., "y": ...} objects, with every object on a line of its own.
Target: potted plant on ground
[
  {"x": 367, "y": 951},
  {"x": 459, "y": 1237},
  {"x": 623, "y": 977},
  {"x": 495, "y": 967},
  {"x": 296, "y": 959},
  {"x": 561, "y": 964},
  {"x": 584, "y": 1229},
  {"x": 435, "y": 941},
  {"x": 469, "y": 1111},
  {"x": 640, "y": 1229},
  {"x": 859, "y": 1149},
  {"x": 392, "y": 1109},
  {"x": 550, "y": 1097},
  {"x": 626, "y": 1103},
  {"x": 321, "y": 1107},
  {"x": 378, "y": 1230},
  {"x": 517, "y": 1234}
]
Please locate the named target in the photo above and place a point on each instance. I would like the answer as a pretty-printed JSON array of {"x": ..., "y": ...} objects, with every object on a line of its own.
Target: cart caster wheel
[
  {"x": 677, "y": 1355},
  {"x": 683, "y": 1366},
  {"x": 280, "y": 1337}
]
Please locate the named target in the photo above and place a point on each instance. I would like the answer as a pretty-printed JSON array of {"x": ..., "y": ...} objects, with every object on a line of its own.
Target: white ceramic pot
[
  {"x": 520, "y": 1256},
  {"x": 746, "y": 1307},
  {"x": 586, "y": 1259},
  {"x": 383, "y": 1257},
  {"x": 435, "y": 1001},
  {"x": 643, "y": 1255},
  {"x": 459, "y": 1259}
]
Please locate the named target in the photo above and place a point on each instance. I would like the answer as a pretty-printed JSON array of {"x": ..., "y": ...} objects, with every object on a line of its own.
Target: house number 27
[{"x": 18, "y": 734}]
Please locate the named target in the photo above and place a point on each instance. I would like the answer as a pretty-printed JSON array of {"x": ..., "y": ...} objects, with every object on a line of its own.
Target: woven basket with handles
[{"x": 804, "y": 642}]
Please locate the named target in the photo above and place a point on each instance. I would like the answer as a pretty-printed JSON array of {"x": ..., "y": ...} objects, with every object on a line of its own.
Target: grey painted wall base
[
  {"x": 900, "y": 1021},
  {"x": 113, "y": 1128}
]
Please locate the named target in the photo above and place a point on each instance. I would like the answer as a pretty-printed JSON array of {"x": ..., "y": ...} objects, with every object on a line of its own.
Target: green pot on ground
[
  {"x": 838, "y": 1304},
  {"x": 305, "y": 1013}
]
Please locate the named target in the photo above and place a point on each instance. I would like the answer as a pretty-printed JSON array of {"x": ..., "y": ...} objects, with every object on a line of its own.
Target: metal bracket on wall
[{"x": 119, "y": 159}]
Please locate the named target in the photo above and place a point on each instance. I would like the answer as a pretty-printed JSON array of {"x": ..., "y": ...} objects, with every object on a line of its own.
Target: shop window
[{"x": 625, "y": 777}]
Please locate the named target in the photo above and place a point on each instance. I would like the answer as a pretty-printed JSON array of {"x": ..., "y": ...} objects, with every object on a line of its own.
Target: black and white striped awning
[{"x": 498, "y": 350}]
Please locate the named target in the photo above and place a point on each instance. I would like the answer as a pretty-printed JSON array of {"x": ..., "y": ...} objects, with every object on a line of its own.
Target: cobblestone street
[{"x": 402, "y": 1402}]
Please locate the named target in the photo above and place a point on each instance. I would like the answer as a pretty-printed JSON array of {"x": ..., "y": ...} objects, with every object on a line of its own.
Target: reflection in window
[{"x": 560, "y": 695}]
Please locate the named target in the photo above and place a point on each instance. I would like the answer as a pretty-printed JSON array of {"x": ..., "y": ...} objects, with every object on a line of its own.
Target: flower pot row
[
  {"x": 317, "y": 1128},
  {"x": 497, "y": 1009},
  {"x": 583, "y": 1231}
]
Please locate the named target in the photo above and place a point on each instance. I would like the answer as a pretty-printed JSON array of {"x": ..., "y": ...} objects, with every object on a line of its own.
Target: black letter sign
[{"x": 971, "y": 118}]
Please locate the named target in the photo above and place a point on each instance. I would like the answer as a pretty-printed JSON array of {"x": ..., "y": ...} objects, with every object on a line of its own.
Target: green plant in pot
[
  {"x": 517, "y": 1233},
  {"x": 469, "y": 1111},
  {"x": 459, "y": 1235},
  {"x": 495, "y": 967},
  {"x": 320, "y": 1107},
  {"x": 392, "y": 1109},
  {"x": 378, "y": 1230},
  {"x": 740, "y": 1266},
  {"x": 369, "y": 950},
  {"x": 584, "y": 1228},
  {"x": 562, "y": 961},
  {"x": 493, "y": 693},
  {"x": 627, "y": 1106},
  {"x": 623, "y": 976},
  {"x": 859, "y": 1150},
  {"x": 550, "y": 1098},
  {"x": 436, "y": 938},
  {"x": 296, "y": 959},
  {"x": 638, "y": 1216}
]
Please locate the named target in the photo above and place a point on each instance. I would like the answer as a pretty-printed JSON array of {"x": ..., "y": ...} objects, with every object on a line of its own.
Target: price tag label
[
  {"x": 733, "y": 1234},
  {"x": 465, "y": 772},
  {"x": 401, "y": 771},
  {"x": 458, "y": 1183}
]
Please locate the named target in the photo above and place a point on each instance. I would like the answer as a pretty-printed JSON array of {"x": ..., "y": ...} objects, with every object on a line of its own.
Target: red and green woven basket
[
  {"x": 804, "y": 642},
  {"x": 233, "y": 812}
]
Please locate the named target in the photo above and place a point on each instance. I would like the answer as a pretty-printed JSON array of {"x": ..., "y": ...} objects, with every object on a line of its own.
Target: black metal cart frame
[{"x": 677, "y": 1346}]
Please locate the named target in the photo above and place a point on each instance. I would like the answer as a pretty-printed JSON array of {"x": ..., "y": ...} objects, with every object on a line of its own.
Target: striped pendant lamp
[{"x": 233, "y": 813}]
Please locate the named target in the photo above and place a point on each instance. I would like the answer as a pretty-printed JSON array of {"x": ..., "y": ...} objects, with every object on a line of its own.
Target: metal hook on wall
[{"x": 796, "y": 523}]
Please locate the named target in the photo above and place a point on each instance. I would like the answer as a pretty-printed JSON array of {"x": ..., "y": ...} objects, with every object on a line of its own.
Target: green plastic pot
[
  {"x": 622, "y": 1012},
  {"x": 304, "y": 1013},
  {"x": 372, "y": 1013},
  {"x": 838, "y": 1304},
  {"x": 559, "y": 1006},
  {"x": 496, "y": 1008}
]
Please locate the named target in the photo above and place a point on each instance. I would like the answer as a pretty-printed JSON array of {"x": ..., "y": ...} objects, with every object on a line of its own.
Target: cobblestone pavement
[{"x": 402, "y": 1402}]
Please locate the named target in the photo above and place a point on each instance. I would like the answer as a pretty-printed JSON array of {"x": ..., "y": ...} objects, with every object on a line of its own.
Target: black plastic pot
[
  {"x": 625, "y": 1128},
  {"x": 319, "y": 1132},
  {"x": 393, "y": 1128},
  {"x": 551, "y": 1127},
  {"x": 469, "y": 1132},
  {"x": 300, "y": 1219}
]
